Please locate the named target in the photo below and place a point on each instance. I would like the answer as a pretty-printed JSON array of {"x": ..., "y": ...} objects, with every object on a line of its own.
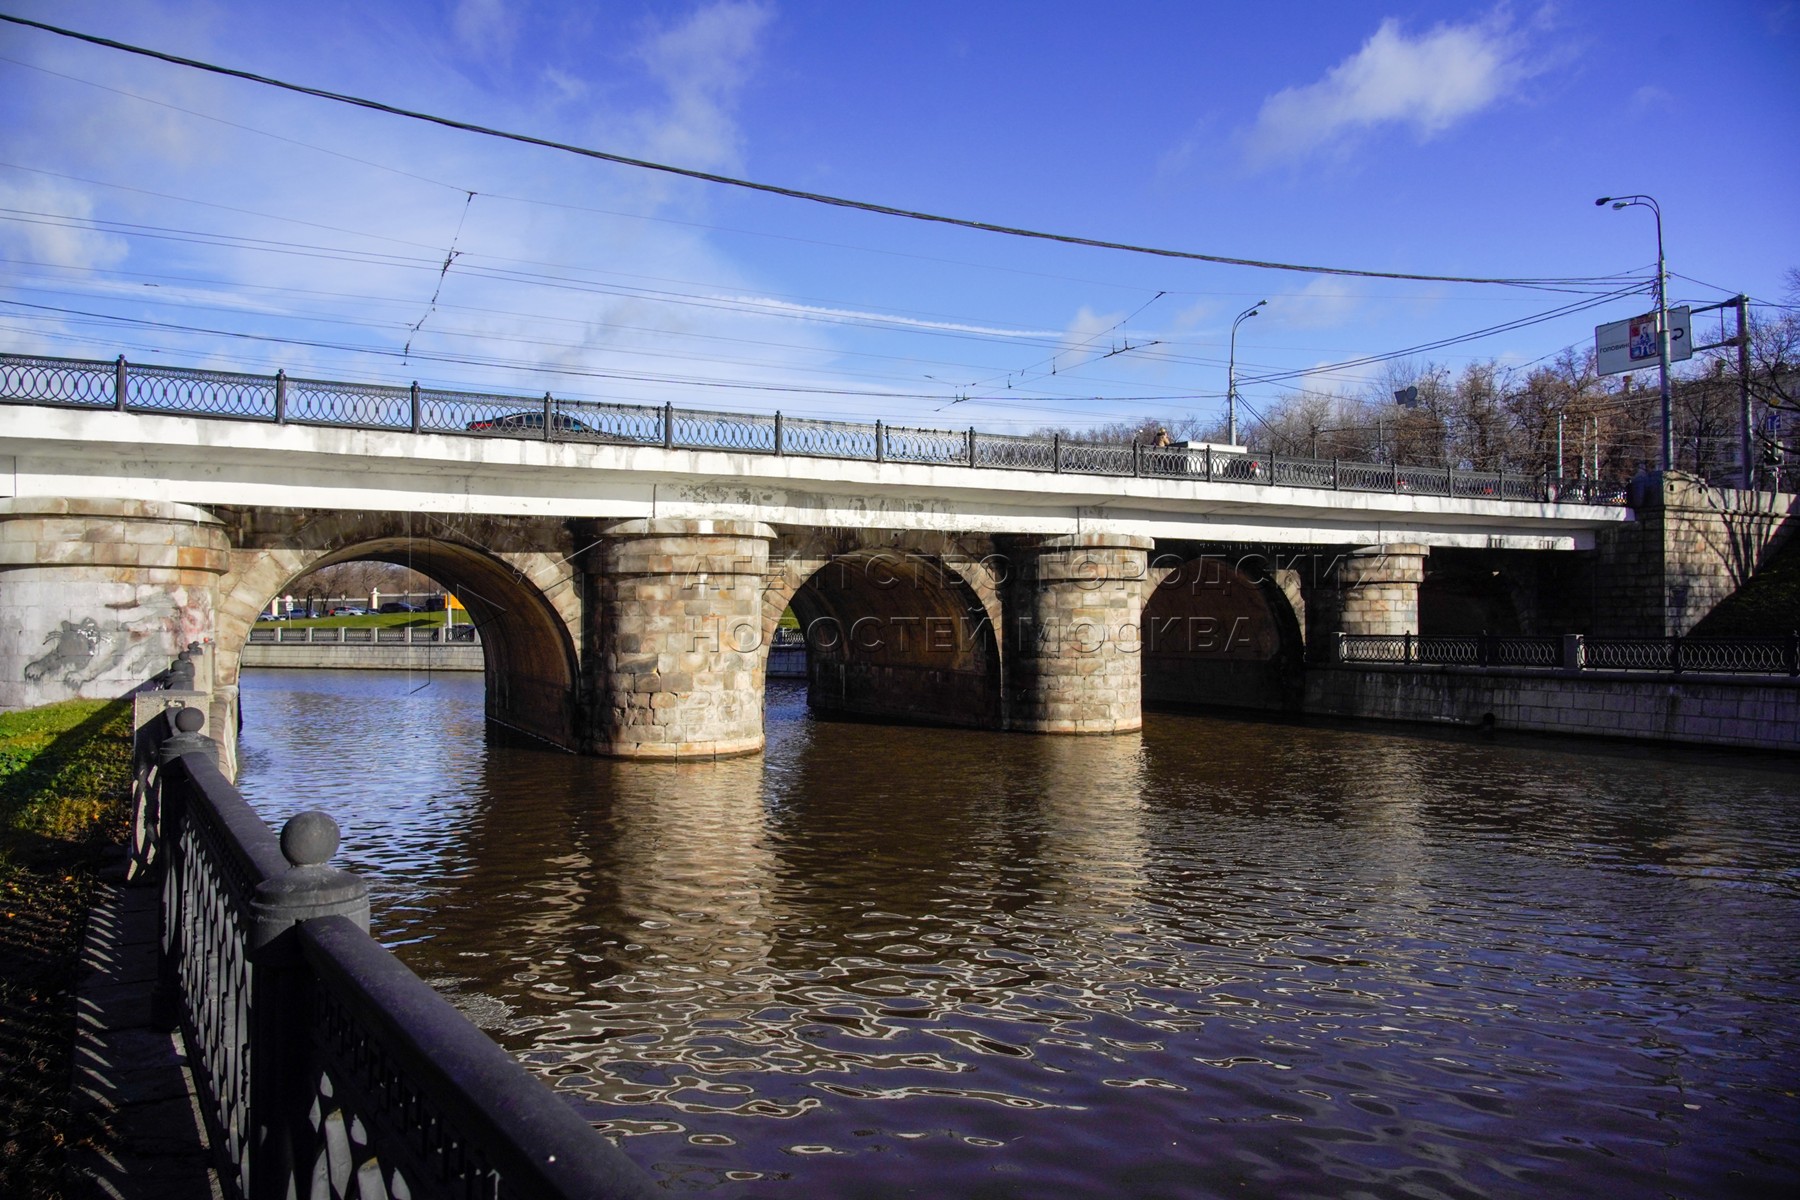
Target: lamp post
[
  {"x": 1662, "y": 319},
  {"x": 1231, "y": 374}
]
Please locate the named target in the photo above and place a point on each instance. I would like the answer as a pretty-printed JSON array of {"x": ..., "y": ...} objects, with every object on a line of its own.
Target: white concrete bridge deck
[{"x": 105, "y": 453}]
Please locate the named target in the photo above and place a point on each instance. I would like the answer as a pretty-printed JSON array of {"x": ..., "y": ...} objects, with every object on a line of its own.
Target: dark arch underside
[
  {"x": 899, "y": 638},
  {"x": 1212, "y": 635}
]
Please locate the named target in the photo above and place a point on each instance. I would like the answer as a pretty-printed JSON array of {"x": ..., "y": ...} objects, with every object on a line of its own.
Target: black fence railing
[
  {"x": 135, "y": 387},
  {"x": 1577, "y": 652},
  {"x": 325, "y": 1067},
  {"x": 396, "y": 635}
]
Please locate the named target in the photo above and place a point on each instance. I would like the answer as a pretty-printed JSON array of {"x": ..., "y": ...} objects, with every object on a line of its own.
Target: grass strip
[{"x": 65, "y": 787}]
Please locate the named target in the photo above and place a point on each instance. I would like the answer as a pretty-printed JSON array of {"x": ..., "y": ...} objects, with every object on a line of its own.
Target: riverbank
[{"x": 65, "y": 781}]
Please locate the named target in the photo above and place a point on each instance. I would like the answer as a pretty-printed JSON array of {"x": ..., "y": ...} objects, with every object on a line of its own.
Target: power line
[
  {"x": 774, "y": 305},
  {"x": 539, "y": 201},
  {"x": 1505, "y": 327},
  {"x": 752, "y": 185}
]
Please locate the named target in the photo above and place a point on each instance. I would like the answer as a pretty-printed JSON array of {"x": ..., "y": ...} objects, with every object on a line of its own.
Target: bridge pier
[
  {"x": 680, "y": 671},
  {"x": 1377, "y": 591},
  {"x": 1073, "y": 612},
  {"x": 96, "y": 596}
]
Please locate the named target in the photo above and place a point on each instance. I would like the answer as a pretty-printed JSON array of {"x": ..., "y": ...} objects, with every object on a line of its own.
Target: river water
[{"x": 1221, "y": 957}]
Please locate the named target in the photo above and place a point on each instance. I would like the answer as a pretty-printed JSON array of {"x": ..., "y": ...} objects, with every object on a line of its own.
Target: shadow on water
[{"x": 1219, "y": 956}]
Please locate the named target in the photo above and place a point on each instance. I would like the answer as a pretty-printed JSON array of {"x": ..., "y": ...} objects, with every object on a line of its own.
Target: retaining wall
[
  {"x": 366, "y": 656},
  {"x": 1714, "y": 710}
]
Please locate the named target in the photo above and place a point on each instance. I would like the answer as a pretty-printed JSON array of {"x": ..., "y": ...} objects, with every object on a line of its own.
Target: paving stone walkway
[{"x": 130, "y": 1073}]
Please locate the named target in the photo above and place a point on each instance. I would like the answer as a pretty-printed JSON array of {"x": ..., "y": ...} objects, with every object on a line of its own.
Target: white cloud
[
  {"x": 1427, "y": 83},
  {"x": 1327, "y": 302},
  {"x": 56, "y": 238},
  {"x": 484, "y": 28},
  {"x": 702, "y": 64}
]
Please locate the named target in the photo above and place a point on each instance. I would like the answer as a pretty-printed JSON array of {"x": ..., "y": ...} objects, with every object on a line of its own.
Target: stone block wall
[
  {"x": 99, "y": 595},
  {"x": 1704, "y": 710},
  {"x": 1373, "y": 590},
  {"x": 363, "y": 656},
  {"x": 1074, "y": 615},
  {"x": 1691, "y": 546},
  {"x": 680, "y": 637}
]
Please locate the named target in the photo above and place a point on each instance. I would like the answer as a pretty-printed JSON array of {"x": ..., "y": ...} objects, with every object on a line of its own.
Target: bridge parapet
[{"x": 140, "y": 388}]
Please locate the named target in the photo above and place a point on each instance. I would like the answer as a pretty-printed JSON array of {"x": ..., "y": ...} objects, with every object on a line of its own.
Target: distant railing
[
  {"x": 133, "y": 387},
  {"x": 330, "y": 635},
  {"x": 1577, "y": 652},
  {"x": 325, "y": 1067}
]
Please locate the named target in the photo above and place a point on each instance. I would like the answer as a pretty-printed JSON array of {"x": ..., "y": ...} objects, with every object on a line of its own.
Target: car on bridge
[{"x": 527, "y": 423}]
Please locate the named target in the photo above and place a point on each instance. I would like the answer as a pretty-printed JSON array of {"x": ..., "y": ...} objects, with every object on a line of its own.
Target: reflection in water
[{"x": 1215, "y": 957}]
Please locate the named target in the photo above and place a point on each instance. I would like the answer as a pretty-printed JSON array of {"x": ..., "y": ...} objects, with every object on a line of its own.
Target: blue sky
[{"x": 179, "y": 217}]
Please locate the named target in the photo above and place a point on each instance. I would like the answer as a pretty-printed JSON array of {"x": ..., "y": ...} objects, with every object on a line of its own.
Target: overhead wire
[
  {"x": 1504, "y": 327},
  {"x": 804, "y": 308},
  {"x": 1270, "y": 379},
  {"x": 540, "y": 201},
  {"x": 753, "y": 185}
]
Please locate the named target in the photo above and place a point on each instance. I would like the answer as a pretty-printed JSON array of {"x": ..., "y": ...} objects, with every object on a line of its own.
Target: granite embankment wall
[
  {"x": 1761, "y": 713},
  {"x": 378, "y": 656}
]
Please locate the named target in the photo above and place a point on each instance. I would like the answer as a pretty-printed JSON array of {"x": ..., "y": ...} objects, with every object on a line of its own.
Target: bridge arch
[
  {"x": 1220, "y": 631},
  {"x": 524, "y": 596},
  {"x": 897, "y": 634}
]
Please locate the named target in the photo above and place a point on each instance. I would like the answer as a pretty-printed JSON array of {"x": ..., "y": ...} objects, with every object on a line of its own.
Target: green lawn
[
  {"x": 65, "y": 776},
  {"x": 65, "y": 788}
]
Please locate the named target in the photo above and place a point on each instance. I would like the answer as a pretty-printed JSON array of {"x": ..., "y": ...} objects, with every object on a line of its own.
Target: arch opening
[
  {"x": 898, "y": 637},
  {"x": 530, "y": 668},
  {"x": 1221, "y": 634}
]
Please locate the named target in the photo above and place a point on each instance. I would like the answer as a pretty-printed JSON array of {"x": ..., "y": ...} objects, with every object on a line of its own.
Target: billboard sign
[{"x": 1631, "y": 345}]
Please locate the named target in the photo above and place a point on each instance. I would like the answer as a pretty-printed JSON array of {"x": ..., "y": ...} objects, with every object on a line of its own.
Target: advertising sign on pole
[{"x": 1631, "y": 345}]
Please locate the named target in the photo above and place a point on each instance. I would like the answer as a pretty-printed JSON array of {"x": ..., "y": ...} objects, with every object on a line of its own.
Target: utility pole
[
  {"x": 1231, "y": 435},
  {"x": 1748, "y": 481},
  {"x": 1662, "y": 320}
]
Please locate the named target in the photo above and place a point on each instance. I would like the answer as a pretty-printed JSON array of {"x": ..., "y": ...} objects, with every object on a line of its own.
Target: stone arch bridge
[{"x": 628, "y": 592}]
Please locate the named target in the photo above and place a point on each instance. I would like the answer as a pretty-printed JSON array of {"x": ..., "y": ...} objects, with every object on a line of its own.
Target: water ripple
[{"x": 1219, "y": 957}]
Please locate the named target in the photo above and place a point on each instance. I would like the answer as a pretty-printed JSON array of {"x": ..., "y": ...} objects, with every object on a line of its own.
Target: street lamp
[
  {"x": 1662, "y": 319},
  {"x": 1231, "y": 374}
]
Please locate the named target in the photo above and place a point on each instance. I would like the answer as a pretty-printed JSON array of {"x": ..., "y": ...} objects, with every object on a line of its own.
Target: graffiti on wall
[
  {"x": 72, "y": 648},
  {"x": 134, "y": 641}
]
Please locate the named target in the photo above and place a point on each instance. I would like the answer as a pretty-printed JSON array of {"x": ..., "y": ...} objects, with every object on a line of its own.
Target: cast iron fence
[
  {"x": 332, "y": 635},
  {"x": 1577, "y": 652},
  {"x": 326, "y": 1068},
  {"x": 135, "y": 387}
]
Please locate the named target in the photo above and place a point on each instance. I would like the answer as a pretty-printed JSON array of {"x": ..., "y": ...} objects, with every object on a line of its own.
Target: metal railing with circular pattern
[
  {"x": 131, "y": 387},
  {"x": 359, "y": 405},
  {"x": 699, "y": 429},
  {"x": 60, "y": 381},
  {"x": 935, "y": 446},
  {"x": 827, "y": 439},
  {"x": 1670, "y": 655},
  {"x": 202, "y": 393}
]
